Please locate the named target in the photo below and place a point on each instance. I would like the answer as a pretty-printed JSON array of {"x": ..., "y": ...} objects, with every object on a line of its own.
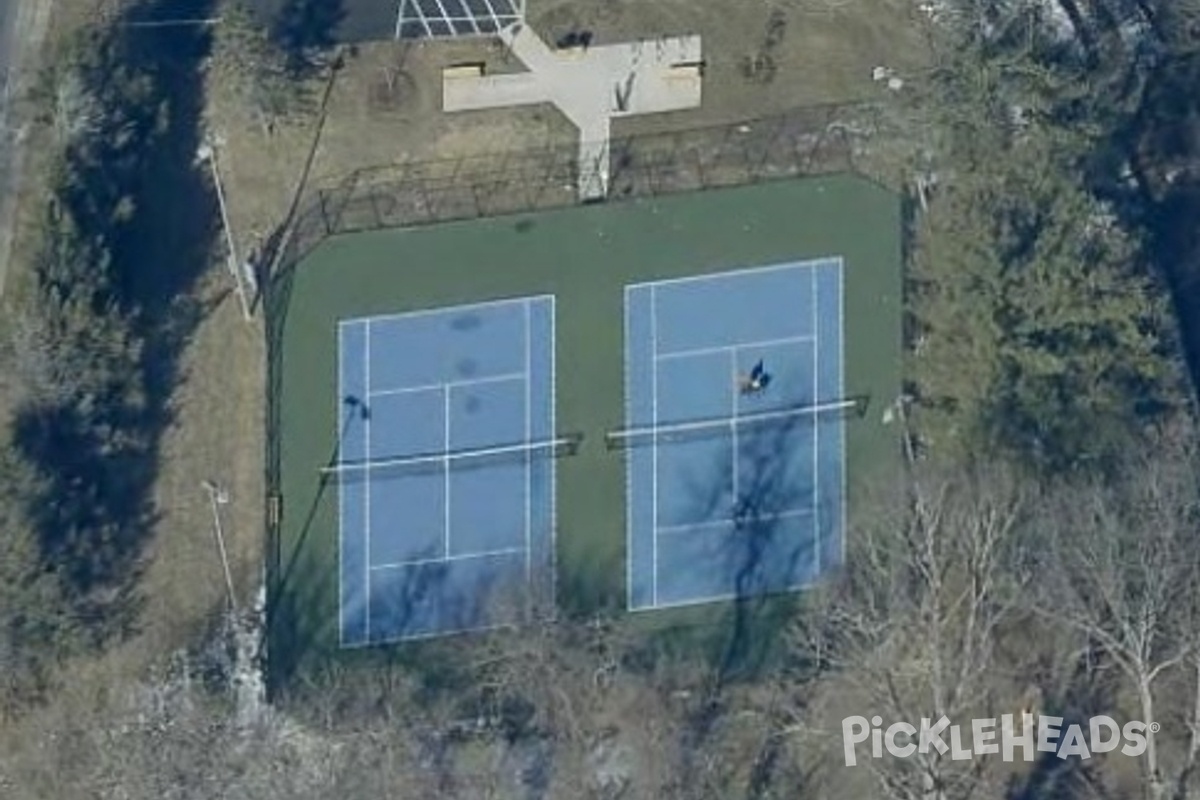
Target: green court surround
[{"x": 584, "y": 256}]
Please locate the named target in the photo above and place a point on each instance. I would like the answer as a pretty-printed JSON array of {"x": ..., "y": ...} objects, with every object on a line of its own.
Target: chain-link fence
[{"x": 805, "y": 141}]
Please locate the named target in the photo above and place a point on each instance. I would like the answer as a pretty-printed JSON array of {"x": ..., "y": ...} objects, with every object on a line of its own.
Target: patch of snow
[
  {"x": 936, "y": 10},
  {"x": 248, "y": 682},
  {"x": 611, "y": 766},
  {"x": 1058, "y": 20}
]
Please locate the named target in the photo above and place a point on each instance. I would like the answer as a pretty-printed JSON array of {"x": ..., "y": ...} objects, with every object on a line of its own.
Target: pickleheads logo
[{"x": 984, "y": 737}]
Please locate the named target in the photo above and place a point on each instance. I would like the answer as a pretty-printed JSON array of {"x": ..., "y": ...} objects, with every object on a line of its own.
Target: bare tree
[
  {"x": 1122, "y": 573},
  {"x": 910, "y": 630}
]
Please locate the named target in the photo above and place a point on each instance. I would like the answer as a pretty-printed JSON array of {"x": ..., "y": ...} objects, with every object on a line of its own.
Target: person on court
[{"x": 757, "y": 380}]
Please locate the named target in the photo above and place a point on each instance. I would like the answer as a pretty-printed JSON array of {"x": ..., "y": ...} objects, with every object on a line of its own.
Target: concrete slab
[
  {"x": 591, "y": 86},
  {"x": 491, "y": 91}
]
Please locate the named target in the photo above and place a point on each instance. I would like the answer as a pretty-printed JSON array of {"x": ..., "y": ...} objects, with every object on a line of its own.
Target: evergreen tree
[{"x": 1038, "y": 328}]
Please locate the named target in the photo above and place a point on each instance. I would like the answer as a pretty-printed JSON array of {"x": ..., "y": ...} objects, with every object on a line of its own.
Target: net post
[{"x": 274, "y": 510}]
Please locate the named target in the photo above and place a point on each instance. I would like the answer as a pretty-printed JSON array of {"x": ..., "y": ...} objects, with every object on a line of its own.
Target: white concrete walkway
[{"x": 590, "y": 86}]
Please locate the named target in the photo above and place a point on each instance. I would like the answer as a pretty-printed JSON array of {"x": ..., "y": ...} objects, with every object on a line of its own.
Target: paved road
[
  {"x": 8, "y": 20},
  {"x": 8, "y": 28},
  {"x": 22, "y": 29}
]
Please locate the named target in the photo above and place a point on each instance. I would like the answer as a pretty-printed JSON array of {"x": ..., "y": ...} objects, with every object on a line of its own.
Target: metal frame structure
[{"x": 441, "y": 19}]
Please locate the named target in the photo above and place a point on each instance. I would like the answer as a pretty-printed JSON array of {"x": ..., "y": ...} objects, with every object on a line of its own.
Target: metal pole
[
  {"x": 171, "y": 23},
  {"x": 216, "y": 497},
  {"x": 233, "y": 264}
]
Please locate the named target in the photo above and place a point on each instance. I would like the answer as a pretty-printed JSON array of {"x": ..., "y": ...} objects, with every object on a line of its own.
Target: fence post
[{"x": 324, "y": 212}]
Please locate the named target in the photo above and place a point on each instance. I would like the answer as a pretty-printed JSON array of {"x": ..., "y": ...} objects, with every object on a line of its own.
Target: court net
[
  {"x": 473, "y": 458},
  {"x": 775, "y": 422}
]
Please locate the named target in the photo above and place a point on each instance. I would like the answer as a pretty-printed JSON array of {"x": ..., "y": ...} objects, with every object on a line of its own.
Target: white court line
[
  {"x": 419, "y": 562},
  {"x": 816, "y": 462},
  {"x": 654, "y": 447},
  {"x": 628, "y": 352},
  {"x": 552, "y": 612},
  {"x": 445, "y": 310},
  {"x": 722, "y": 523},
  {"x": 367, "y": 485},
  {"x": 445, "y": 470},
  {"x": 706, "y": 351},
  {"x": 528, "y": 455},
  {"x": 339, "y": 429},
  {"x": 729, "y": 596},
  {"x": 841, "y": 365},
  {"x": 812, "y": 263},
  {"x": 733, "y": 429},
  {"x": 465, "y": 383}
]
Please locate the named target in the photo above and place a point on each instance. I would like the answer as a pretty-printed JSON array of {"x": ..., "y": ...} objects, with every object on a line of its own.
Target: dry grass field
[{"x": 385, "y": 105}]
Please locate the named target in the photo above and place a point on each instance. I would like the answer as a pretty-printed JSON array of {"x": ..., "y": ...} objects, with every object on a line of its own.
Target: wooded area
[{"x": 1043, "y": 553}]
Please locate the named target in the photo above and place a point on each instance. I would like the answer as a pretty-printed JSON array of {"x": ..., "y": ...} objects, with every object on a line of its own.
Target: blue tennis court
[
  {"x": 734, "y": 493},
  {"x": 446, "y": 511}
]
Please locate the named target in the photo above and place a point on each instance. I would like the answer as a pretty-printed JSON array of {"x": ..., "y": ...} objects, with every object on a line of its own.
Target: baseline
[
  {"x": 446, "y": 310},
  {"x": 735, "y": 272}
]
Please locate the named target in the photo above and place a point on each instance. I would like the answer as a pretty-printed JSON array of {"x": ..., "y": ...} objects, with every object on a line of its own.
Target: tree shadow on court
[
  {"x": 436, "y": 601},
  {"x": 399, "y": 615},
  {"x": 132, "y": 229},
  {"x": 295, "y": 590},
  {"x": 430, "y": 602},
  {"x": 763, "y": 568},
  {"x": 748, "y": 637},
  {"x": 440, "y": 665},
  {"x": 299, "y": 588}
]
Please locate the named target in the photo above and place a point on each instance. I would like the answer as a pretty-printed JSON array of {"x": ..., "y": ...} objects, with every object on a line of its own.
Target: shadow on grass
[
  {"x": 1084, "y": 687},
  {"x": 142, "y": 208},
  {"x": 441, "y": 671},
  {"x": 305, "y": 28},
  {"x": 293, "y": 590},
  {"x": 1089, "y": 691}
]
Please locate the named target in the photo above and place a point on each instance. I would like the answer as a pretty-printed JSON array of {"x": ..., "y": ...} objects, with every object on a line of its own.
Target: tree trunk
[
  {"x": 1154, "y": 781},
  {"x": 1183, "y": 781}
]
